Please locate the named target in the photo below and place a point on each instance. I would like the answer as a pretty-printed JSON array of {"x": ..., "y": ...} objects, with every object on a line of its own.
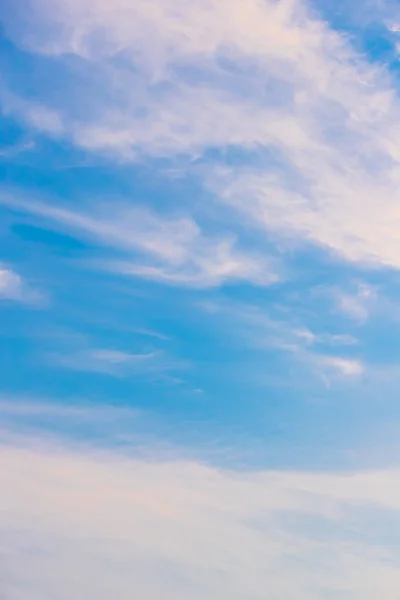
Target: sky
[{"x": 199, "y": 299}]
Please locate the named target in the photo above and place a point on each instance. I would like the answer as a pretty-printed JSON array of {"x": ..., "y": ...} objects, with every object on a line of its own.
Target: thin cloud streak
[
  {"x": 261, "y": 331},
  {"x": 171, "y": 250}
]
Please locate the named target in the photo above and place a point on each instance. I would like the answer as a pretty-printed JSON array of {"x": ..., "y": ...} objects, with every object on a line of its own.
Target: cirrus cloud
[{"x": 175, "y": 79}]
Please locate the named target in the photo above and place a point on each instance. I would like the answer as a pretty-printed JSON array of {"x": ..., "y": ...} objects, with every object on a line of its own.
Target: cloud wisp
[
  {"x": 329, "y": 356},
  {"x": 173, "y": 250}
]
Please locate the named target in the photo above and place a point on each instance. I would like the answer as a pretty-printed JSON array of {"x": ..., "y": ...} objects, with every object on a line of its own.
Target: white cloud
[
  {"x": 101, "y": 524},
  {"x": 79, "y": 352},
  {"x": 113, "y": 362},
  {"x": 180, "y": 78},
  {"x": 13, "y": 287},
  {"x": 10, "y": 284},
  {"x": 328, "y": 366},
  {"x": 345, "y": 367},
  {"x": 302, "y": 346},
  {"x": 173, "y": 249},
  {"x": 262, "y": 329},
  {"x": 357, "y": 305},
  {"x": 327, "y": 339},
  {"x": 276, "y": 59}
]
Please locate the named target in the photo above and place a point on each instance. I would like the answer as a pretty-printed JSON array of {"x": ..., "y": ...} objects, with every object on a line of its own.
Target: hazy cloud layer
[{"x": 100, "y": 523}]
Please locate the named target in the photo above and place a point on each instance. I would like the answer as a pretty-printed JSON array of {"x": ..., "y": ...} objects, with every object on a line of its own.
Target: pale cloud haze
[{"x": 102, "y": 523}]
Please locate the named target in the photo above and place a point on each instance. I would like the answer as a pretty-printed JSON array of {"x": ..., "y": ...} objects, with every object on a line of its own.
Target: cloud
[
  {"x": 328, "y": 356},
  {"x": 357, "y": 305},
  {"x": 10, "y": 284},
  {"x": 320, "y": 123},
  {"x": 68, "y": 349},
  {"x": 13, "y": 287},
  {"x": 327, "y": 339},
  {"x": 33, "y": 409},
  {"x": 23, "y": 417},
  {"x": 174, "y": 250},
  {"x": 153, "y": 365},
  {"x": 216, "y": 76},
  {"x": 99, "y": 523},
  {"x": 112, "y": 362},
  {"x": 17, "y": 148},
  {"x": 329, "y": 367},
  {"x": 345, "y": 367}
]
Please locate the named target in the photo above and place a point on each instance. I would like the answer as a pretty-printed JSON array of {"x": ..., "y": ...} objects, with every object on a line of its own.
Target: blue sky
[{"x": 199, "y": 296}]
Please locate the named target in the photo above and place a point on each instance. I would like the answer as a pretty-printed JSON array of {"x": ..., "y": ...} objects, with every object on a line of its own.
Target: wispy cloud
[
  {"x": 33, "y": 408},
  {"x": 79, "y": 352},
  {"x": 359, "y": 304},
  {"x": 326, "y": 339},
  {"x": 162, "y": 248},
  {"x": 330, "y": 356},
  {"x": 336, "y": 365},
  {"x": 112, "y": 362},
  {"x": 254, "y": 75},
  {"x": 329, "y": 367}
]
